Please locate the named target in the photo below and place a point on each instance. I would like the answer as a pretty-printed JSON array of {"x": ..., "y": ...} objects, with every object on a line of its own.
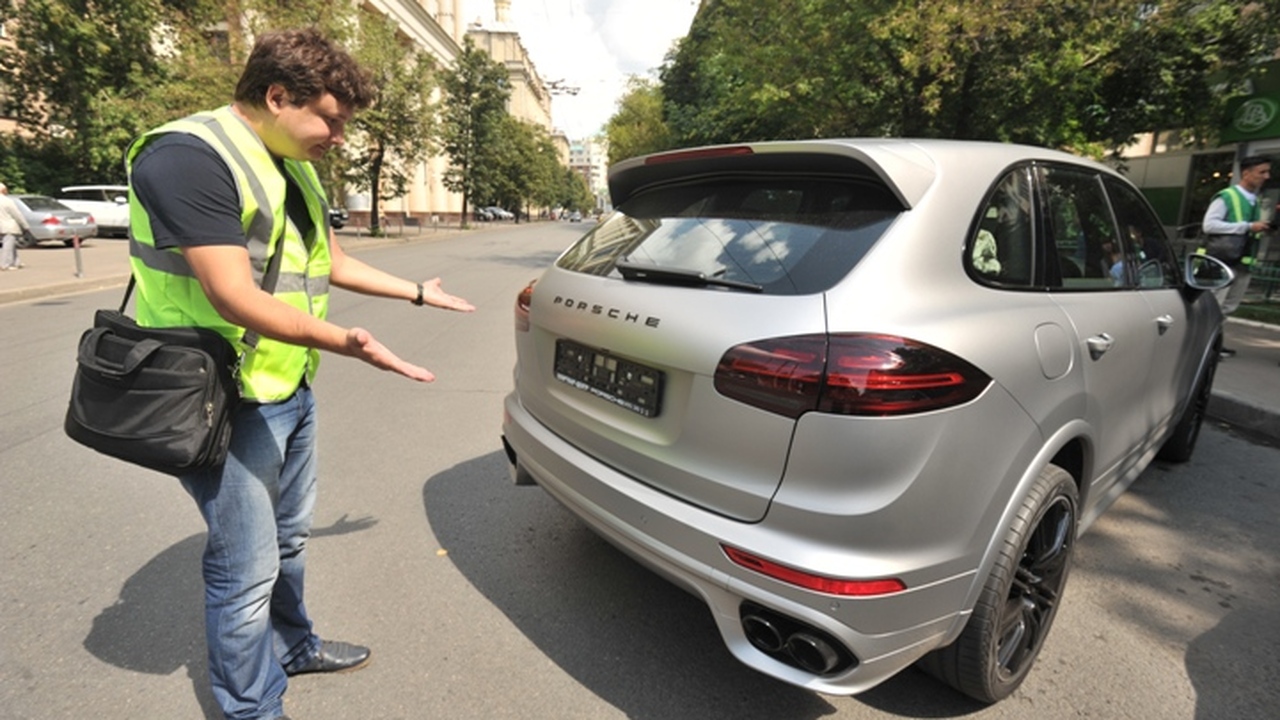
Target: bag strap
[{"x": 269, "y": 280}]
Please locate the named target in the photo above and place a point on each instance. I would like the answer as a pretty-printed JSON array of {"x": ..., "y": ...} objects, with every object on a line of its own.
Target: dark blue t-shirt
[
  {"x": 192, "y": 198},
  {"x": 206, "y": 210}
]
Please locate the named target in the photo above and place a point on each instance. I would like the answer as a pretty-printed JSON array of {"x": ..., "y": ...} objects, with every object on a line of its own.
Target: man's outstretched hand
[
  {"x": 434, "y": 296},
  {"x": 362, "y": 345}
]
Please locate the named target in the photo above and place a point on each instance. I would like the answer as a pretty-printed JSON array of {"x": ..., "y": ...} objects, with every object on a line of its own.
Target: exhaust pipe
[
  {"x": 795, "y": 643},
  {"x": 762, "y": 634},
  {"x": 517, "y": 472},
  {"x": 812, "y": 653}
]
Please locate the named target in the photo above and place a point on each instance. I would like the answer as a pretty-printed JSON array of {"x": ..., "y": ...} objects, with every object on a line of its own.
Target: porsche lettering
[{"x": 610, "y": 312}]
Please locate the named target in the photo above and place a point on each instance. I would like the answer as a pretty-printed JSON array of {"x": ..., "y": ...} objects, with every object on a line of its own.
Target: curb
[
  {"x": 1243, "y": 414},
  {"x": 72, "y": 287}
]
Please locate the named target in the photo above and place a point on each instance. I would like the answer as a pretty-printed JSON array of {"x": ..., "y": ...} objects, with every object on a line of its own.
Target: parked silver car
[
  {"x": 50, "y": 220},
  {"x": 862, "y": 396}
]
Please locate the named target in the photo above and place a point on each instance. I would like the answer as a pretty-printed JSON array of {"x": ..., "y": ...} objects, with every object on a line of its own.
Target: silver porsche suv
[{"x": 862, "y": 396}]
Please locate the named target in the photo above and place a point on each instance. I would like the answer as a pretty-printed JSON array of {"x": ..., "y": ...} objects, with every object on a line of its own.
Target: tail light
[
  {"x": 875, "y": 375},
  {"x": 51, "y": 220},
  {"x": 701, "y": 154},
  {"x": 820, "y": 583},
  {"x": 523, "y": 300}
]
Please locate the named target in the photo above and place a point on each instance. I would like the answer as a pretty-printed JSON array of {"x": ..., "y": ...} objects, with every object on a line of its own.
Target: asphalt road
[{"x": 484, "y": 600}]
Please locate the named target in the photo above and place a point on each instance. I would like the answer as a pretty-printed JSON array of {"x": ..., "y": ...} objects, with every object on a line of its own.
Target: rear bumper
[
  {"x": 683, "y": 543},
  {"x": 61, "y": 234}
]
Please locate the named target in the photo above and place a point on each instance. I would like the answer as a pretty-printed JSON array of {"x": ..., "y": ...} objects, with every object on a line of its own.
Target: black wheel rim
[{"x": 1037, "y": 585}]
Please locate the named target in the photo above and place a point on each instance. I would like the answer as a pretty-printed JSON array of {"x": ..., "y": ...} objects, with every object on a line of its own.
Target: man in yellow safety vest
[
  {"x": 1232, "y": 224},
  {"x": 213, "y": 197}
]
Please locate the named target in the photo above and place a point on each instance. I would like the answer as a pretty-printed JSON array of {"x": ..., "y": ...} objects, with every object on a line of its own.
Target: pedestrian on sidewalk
[
  {"x": 222, "y": 191},
  {"x": 1232, "y": 225},
  {"x": 13, "y": 224}
]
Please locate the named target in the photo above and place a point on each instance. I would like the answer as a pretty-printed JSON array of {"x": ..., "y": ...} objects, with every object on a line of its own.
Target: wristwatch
[{"x": 418, "y": 300}]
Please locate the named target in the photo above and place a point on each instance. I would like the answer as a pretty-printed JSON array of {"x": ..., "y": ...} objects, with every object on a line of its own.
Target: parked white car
[{"x": 109, "y": 205}]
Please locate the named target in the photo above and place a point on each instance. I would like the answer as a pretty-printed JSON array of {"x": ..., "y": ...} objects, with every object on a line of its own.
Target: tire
[
  {"x": 1182, "y": 442},
  {"x": 26, "y": 240},
  {"x": 1019, "y": 600}
]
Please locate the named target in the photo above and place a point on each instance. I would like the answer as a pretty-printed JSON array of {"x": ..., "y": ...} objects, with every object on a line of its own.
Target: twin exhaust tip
[{"x": 794, "y": 643}]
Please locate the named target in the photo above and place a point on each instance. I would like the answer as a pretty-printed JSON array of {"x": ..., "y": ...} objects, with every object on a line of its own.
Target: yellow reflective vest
[
  {"x": 1239, "y": 209},
  {"x": 170, "y": 295}
]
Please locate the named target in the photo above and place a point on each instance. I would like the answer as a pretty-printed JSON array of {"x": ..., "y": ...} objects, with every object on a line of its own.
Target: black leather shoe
[{"x": 334, "y": 656}]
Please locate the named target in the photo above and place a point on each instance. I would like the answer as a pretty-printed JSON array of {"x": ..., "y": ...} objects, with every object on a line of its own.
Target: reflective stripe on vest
[{"x": 168, "y": 292}]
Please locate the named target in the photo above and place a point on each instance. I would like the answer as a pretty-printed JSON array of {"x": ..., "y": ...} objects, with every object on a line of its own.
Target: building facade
[{"x": 590, "y": 159}]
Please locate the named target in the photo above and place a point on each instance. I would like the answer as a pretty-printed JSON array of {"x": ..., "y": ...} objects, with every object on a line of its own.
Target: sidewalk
[
  {"x": 104, "y": 262},
  {"x": 1246, "y": 391}
]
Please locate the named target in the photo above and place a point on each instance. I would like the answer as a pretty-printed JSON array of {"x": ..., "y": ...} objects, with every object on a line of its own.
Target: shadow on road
[
  {"x": 157, "y": 625},
  {"x": 1219, "y": 671},
  {"x": 638, "y": 642}
]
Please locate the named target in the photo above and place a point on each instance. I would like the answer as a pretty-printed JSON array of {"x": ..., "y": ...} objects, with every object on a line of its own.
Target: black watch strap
[{"x": 418, "y": 300}]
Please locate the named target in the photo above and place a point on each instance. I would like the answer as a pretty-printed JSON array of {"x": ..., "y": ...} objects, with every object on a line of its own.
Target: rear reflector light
[
  {"x": 523, "y": 300},
  {"x": 810, "y": 581},
  {"x": 51, "y": 220},
  {"x": 877, "y": 375},
  {"x": 702, "y": 154}
]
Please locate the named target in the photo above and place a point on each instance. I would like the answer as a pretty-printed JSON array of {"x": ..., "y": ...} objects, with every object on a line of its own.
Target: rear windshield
[
  {"x": 789, "y": 236},
  {"x": 39, "y": 202}
]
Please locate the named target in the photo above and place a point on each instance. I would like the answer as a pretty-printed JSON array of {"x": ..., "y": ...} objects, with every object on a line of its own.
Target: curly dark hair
[{"x": 306, "y": 64}]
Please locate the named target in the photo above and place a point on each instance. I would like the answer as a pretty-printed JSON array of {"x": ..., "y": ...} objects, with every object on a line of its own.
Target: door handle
[
  {"x": 1163, "y": 323},
  {"x": 1099, "y": 344}
]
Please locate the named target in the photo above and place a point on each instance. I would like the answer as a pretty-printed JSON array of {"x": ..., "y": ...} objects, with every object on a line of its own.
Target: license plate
[
  {"x": 633, "y": 386},
  {"x": 75, "y": 221}
]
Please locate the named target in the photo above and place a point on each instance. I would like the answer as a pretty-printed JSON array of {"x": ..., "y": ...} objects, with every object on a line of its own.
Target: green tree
[
  {"x": 524, "y": 168},
  {"x": 638, "y": 128},
  {"x": 475, "y": 98},
  {"x": 1081, "y": 74},
  {"x": 70, "y": 74},
  {"x": 397, "y": 133},
  {"x": 575, "y": 194},
  {"x": 86, "y": 77}
]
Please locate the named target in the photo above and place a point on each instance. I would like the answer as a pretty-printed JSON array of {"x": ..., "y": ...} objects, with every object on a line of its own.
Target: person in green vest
[
  {"x": 213, "y": 197},
  {"x": 1232, "y": 224}
]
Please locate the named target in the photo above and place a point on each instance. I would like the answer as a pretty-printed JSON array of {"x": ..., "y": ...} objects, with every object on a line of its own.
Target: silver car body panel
[
  {"x": 686, "y": 450},
  {"x": 922, "y": 497}
]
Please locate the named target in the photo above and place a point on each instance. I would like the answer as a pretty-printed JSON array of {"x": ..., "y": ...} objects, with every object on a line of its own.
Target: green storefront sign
[{"x": 1256, "y": 116}]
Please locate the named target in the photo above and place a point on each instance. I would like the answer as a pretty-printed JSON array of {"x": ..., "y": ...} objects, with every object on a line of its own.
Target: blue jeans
[{"x": 258, "y": 507}]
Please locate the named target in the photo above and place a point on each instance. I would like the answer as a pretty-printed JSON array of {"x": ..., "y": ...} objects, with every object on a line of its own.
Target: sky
[{"x": 593, "y": 45}]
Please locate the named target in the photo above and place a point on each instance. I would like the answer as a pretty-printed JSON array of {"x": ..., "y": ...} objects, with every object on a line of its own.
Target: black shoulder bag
[{"x": 162, "y": 398}]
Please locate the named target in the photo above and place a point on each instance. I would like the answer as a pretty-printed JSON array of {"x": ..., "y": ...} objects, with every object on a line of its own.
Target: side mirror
[{"x": 1207, "y": 273}]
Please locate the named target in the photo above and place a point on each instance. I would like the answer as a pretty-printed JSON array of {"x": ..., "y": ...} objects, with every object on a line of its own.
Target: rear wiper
[{"x": 679, "y": 276}]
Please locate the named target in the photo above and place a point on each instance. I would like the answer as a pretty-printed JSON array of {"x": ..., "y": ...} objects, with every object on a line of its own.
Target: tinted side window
[
  {"x": 1145, "y": 240},
  {"x": 1084, "y": 251},
  {"x": 1001, "y": 250}
]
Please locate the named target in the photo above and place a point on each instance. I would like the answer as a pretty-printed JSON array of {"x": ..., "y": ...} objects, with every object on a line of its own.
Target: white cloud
[{"x": 593, "y": 45}]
